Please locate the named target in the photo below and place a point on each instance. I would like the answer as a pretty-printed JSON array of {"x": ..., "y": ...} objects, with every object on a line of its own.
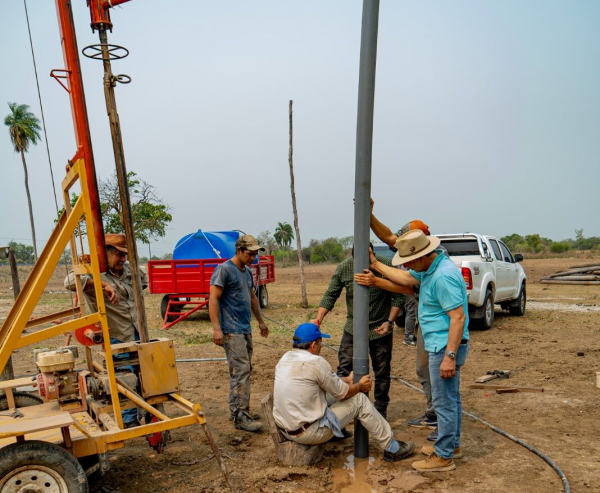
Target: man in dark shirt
[
  {"x": 384, "y": 307},
  {"x": 232, "y": 302}
]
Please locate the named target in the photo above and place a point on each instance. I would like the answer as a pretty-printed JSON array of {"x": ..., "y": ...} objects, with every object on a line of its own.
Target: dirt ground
[{"x": 555, "y": 346}]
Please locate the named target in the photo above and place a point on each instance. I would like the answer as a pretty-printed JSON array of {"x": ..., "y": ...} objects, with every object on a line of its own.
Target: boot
[
  {"x": 430, "y": 450},
  {"x": 434, "y": 463},
  {"x": 406, "y": 449},
  {"x": 243, "y": 421}
]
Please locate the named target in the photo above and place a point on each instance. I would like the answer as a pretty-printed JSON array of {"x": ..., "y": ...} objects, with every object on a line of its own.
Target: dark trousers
[{"x": 380, "y": 351}]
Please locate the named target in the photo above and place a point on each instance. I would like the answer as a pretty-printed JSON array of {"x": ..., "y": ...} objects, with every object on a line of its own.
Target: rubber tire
[
  {"x": 263, "y": 297},
  {"x": 22, "y": 399},
  {"x": 38, "y": 453},
  {"x": 485, "y": 323},
  {"x": 519, "y": 310},
  {"x": 164, "y": 303}
]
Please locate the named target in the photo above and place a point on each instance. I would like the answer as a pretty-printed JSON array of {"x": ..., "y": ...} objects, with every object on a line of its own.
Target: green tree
[
  {"x": 579, "y": 238},
  {"x": 23, "y": 253},
  {"x": 534, "y": 242},
  {"x": 24, "y": 130},
  {"x": 512, "y": 241},
  {"x": 150, "y": 215},
  {"x": 284, "y": 235},
  {"x": 329, "y": 250}
]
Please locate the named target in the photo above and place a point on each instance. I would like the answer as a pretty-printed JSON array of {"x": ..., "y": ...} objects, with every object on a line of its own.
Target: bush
[{"x": 559, "y": 247}]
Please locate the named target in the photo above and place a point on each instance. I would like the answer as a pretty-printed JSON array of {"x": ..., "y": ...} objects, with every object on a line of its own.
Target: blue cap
[{"x": 308, "y": 333}]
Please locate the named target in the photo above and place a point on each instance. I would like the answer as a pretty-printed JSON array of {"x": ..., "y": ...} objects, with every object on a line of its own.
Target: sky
[{"x": 487, "y": 113}]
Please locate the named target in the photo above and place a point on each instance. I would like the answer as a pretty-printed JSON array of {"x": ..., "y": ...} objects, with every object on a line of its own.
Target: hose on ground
[{"x": 537, "y": 452}]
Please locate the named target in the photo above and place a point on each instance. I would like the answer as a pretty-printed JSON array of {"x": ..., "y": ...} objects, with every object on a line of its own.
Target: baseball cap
[
  {"x": 116, "y": 241},
  {"x": 248, "y": 242},
  {"x": 308, "y": 333},
  {"x": 412, "y": 225}
]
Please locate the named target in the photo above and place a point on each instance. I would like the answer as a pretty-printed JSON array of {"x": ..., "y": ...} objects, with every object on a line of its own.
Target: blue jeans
[
  {"x": 446, "y": 401},
  {"x": 129, "y": 415}
]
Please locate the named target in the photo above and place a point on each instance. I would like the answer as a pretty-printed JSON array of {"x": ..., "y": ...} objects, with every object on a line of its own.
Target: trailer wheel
[
  {"x": 263, "y": 297},
  {"x": 41, "y": 467},
  {"x": 22, "y": 399},
  {"x": 163, "y": 309}
]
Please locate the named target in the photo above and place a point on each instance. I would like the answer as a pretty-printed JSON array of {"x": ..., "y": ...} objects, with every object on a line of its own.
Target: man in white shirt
[{"x": 312, "y": 404}]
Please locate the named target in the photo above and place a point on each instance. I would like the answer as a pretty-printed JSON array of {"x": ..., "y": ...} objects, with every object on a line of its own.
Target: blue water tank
[{"x": 206, "y": 244}]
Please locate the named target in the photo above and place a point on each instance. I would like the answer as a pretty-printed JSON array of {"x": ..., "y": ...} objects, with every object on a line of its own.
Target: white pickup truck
[{"x": 492, "y": 274}]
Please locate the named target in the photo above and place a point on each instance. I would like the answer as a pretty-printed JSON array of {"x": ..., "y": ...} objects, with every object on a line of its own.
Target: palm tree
[
  {"x": 284, "y": 235},
  {"x": 24, "y": 129}
]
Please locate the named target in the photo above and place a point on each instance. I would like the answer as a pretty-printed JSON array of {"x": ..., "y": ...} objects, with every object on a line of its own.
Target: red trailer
[{"x": 186, "y": 283}]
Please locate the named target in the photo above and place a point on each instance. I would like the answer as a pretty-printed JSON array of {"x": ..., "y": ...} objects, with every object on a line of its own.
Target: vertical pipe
[
  {"x": 362, "y": 194},
  {"x": 80, "y": 119}
]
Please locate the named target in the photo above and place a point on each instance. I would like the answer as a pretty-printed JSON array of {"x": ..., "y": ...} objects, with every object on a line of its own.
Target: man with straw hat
[{"x": 443, "y": 317}]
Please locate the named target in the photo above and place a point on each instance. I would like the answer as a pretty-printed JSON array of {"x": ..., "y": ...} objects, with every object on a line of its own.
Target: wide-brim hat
[
  {"x": 412, "y": 245},
  {"x": 116, "y": 241}
]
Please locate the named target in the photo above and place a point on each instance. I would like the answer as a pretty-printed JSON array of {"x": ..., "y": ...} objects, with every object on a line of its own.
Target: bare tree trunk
[
  {"x": 30, "y": 206},
  {"x": 296, "y": 227}
]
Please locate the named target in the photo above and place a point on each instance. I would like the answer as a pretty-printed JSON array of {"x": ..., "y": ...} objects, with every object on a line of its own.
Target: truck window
[
  {"x": 384, "y": 251},
  {"x": 506, "y": 253},
  {"x": 496, "y": 249},
  {"x": 461, "y": 247}
]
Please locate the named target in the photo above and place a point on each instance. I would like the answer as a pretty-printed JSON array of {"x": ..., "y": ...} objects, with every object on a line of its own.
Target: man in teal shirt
[{"x": 443, "y": 318}]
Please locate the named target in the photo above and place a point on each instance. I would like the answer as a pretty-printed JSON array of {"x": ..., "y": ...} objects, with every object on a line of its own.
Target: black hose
[{"x": 547, "y": 459}]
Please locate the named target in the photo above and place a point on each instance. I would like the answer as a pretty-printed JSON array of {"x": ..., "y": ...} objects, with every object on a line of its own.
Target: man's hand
[
  {"x": 384, "y": 329},
  {"x": 372, "y": 259},
  {"x": 365, "y": 383},
  {"x": 366, "y": 279},
  {"x": 448, "y": 368},
  {"x": 315, "y": 321},
  {"x": 264, "y": 330},
  {"x": 110, "y": 293},
  {"x": 218, "y": 337}
]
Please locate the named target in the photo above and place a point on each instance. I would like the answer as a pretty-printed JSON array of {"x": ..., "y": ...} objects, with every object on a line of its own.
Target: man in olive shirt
[{"x": 384, "y": 307}]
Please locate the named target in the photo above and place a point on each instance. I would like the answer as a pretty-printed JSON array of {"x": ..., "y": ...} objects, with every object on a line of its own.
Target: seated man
[{"x": 312, "y": 404}]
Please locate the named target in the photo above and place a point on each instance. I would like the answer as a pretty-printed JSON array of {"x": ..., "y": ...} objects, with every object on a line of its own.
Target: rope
[{"x": 537, "y": 452}]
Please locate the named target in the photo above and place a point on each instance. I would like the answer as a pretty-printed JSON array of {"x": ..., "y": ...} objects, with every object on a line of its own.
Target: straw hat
[{"x": 413, "y": 245}]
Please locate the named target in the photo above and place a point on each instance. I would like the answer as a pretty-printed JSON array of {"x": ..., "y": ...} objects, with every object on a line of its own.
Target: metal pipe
[
  {"x": 199, "y": 360},
  {"x": 119, "y": 152},
  {"x": 362, "y": 195}
]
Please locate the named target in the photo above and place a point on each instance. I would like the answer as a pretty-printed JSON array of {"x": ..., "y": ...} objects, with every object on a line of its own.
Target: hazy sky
[{"x": 487, "y": 113}]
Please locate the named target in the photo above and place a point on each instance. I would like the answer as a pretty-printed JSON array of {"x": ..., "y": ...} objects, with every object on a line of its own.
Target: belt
[{"x": 299, "y": 431}]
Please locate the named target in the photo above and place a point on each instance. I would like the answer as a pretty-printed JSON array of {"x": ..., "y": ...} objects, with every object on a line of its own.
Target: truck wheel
[
  {"x": 22, "y": 399},
  {"x": 163, "y": 308},
  {"x": 488, "y": 312},
  {"x": 519, "y": 310},
  {"x": 40, "y": 466},
  {"x": 263, "y": 297}
]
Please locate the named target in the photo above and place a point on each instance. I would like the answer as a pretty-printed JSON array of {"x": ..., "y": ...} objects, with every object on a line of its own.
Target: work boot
[
  {"x": 406, "y": 449},
  {"x": 434, "y": 463},
  {"x": 430, "y": 450},
  {"x": 345, "y": 432},
  {"x": 254, "y": 416},
  {"x": 243, "y": 421}
]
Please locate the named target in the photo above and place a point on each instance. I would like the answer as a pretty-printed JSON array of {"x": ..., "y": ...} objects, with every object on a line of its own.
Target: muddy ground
[{"x": 555, "y": 346}]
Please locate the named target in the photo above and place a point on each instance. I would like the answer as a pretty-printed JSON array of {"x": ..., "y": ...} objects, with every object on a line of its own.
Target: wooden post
[{"x": 8, "y": 372}]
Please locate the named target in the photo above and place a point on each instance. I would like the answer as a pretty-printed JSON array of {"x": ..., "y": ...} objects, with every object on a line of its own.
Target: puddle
[
  {"x": 561, "y": 307},
  {"x": 351, "y": 475}
]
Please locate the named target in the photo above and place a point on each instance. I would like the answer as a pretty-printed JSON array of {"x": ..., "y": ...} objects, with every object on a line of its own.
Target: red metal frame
[{"x": 190, "y": 280}]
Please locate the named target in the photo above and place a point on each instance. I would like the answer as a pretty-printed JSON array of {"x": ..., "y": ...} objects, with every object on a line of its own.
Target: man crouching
[{"x": 312, "y": 404}]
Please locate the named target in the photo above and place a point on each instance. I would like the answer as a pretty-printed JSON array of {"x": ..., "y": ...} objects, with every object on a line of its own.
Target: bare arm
[
  {"x": 455, "y": 334},
  {"x": 398, "y": 276},
  {"x": 381, "y": 230},
  {"x": 264, "y": 330},
  {"x": 369, "y": 279},
  {"x": 110, "y": 293},
  {"x": 213, "y": 312},
  {"x": 320, "y": 316}
]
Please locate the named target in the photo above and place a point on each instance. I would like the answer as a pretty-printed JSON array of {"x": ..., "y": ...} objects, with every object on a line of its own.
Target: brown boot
[
  {"x": 433, "y": 463},
  {"x": 430, "y": 450}
]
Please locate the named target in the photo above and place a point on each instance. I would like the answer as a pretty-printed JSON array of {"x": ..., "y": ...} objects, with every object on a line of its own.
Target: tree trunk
[
  {"x": 296, "y": 227},
  {"x": 30, "y": 206}
]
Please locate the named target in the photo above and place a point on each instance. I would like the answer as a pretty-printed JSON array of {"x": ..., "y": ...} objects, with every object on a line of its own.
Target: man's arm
[
  {"x": 213, "y": 312},
  {"x": 330, "y": 297},
  {"x": 110, "y": 293},
  {"x": 381, "y": 230},
  {"x": 363, "y": 385},
  {"x": 264, "y": 330},
  {"x": 386, "y": 327},
  {"x": 398, "y": 276},
  {"x": 370, "y": 279},
  {"x": 455, "y": 334}
]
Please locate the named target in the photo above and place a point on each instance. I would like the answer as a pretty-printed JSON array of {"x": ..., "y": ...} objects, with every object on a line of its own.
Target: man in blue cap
[{"x": 312, "y": 404}]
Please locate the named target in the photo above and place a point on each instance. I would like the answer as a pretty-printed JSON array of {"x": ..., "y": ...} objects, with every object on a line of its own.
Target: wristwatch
[
  {"x": 451, "y": 354},
  {"x": 391, "y": 322}
]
